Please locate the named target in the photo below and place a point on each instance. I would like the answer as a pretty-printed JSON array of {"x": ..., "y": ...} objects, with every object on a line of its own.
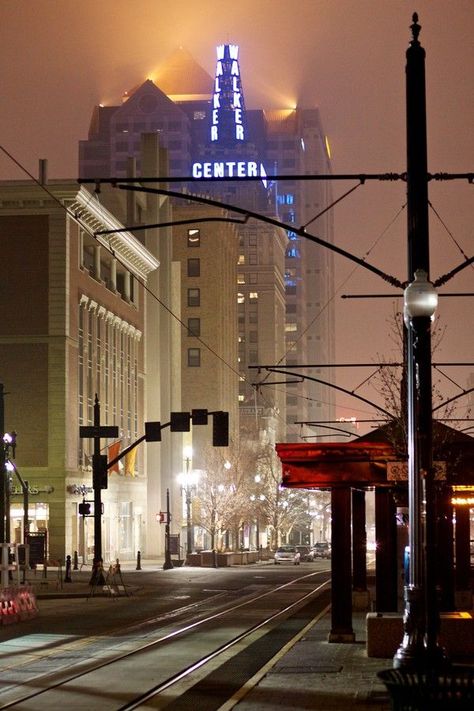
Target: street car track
[{"x": 65, "y": 684}]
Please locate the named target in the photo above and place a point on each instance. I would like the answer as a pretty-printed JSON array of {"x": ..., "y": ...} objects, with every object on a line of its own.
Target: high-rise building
[{"x": 210, "y": 133}]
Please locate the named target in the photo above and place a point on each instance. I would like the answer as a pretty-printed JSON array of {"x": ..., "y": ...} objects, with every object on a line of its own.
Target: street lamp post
[
  {"x": 419, "y": 647},
  {"x": 187, "y": 480}
]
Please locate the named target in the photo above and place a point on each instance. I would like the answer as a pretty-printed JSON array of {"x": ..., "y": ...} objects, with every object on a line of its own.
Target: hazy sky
[{"x": 59, "y": 58}]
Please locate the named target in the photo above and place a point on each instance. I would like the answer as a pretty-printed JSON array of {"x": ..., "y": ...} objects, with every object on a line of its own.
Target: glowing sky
[{"x": 59, "y": 58}]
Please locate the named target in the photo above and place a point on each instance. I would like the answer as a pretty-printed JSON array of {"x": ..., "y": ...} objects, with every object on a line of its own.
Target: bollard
[
  {"x": 76, "y": 561},
  {"x": 139, "y": 561},
  {"x": 67, "y": 575}
]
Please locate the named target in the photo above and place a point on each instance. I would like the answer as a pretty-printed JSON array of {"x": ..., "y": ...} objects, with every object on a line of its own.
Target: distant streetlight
[{"x": 188, "y": 479}]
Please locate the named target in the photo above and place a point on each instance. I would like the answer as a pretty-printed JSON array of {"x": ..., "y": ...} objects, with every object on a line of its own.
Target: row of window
[
  {"x": 194, "y": 297},
  {"x": 108, "y": 366}
]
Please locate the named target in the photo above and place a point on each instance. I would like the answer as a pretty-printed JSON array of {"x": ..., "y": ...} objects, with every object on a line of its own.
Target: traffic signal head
[
  {"x": 99, "y": 471},
  {"x": 153, "y": 431},
  {"x": 180, "y": 421},
  {"x": 199, "y": 417},
  {"x": 220, "y": 429}
]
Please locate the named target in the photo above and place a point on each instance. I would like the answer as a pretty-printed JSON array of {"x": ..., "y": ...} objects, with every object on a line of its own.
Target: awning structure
[
  {"x": 376, "y": 459},
  {"x": 332, "y": 465}
]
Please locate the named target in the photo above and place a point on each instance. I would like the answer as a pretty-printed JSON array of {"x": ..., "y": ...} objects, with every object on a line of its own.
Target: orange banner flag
[{"x": 113, "y": 450}]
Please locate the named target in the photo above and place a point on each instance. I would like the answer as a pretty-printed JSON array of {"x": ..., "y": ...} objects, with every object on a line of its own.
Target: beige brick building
[{"x": 73, "y": 322}]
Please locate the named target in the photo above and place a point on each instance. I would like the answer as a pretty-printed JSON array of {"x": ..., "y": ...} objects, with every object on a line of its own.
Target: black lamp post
[
  {"x": 187, "y": 479},
  {"x": 419, "y": 647}
]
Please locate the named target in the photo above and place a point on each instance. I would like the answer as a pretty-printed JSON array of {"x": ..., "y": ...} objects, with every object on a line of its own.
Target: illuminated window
[
  {"x": 194, "y": 297},
  {"x": 241, "y": 259},
  {"x": 241, "y": 398},
  {"x": 240, "y": 298},
  {"x": 253, "y": 295},
  {"x": 194, "y": 238},
  {"x": 289, "y": 327},
  {"x": 194, "y": 357},
  {"x": 240, "y": 278}
]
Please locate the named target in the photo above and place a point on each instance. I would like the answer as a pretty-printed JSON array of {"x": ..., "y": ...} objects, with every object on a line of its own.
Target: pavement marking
[{"x": 256, "y": 678}]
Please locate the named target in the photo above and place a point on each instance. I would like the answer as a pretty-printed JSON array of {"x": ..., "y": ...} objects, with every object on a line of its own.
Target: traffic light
[
  {"x": 220, "y": 429},
  {"x": 180, "y": 421},
  {"x": 99, "y": 471},
  {"x": 84, "y": 509},
  {"x": 199, "y": 417},
  {"x": 153, "y": 431}
]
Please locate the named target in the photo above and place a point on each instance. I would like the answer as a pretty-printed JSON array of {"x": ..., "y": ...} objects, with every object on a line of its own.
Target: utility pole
[
  {"x": 99, "y": 482},
  {"x": 167, "y": 565}
]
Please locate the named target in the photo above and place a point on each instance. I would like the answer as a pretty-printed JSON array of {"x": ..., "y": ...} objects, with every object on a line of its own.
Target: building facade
[{"x": 73, "y": 329}]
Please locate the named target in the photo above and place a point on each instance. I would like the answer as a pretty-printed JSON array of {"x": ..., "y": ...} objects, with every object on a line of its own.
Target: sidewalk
[{"x": 316, "y": 674}]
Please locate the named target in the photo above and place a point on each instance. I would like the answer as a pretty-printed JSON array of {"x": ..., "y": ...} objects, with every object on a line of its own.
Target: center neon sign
[{"x": 230, "y": 169}]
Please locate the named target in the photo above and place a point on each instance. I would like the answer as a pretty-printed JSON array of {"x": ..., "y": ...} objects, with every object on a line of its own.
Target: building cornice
[{"x": 85, "y": 209}]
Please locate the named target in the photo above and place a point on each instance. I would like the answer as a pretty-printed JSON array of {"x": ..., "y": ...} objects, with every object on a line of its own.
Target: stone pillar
[
  {"x": 113, "y": 274},
  {"x": 386, "y": 582},
  {"x": 97, "y": 262},
  {"x": 341, "y": 585}
]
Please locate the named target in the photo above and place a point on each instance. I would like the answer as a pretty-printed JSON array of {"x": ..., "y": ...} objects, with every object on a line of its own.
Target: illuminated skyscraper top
[{"x": 228, "y": 122}]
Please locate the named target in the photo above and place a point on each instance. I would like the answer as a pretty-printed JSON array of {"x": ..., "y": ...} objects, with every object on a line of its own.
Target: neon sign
[
  {"x": 228, "y": 111},
  {"x": 230, "y": 169}
]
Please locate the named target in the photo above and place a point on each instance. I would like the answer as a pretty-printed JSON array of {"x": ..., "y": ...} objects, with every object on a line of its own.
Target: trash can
[{"x": 449, "y": 689}]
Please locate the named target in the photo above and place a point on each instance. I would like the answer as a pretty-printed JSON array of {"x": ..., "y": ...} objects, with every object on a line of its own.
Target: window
[
  {"x": 240, "y": 278},
  {"x": 194, "y": 267},
  {"x": 199, "y": 115},
  {"x": 240, "y": 298},
  {"x": 194, "y": 297},
  {"x": 253, "y": 336},
  {"x": 253, "y": 295},
  {"x": 253, "y": 278},
  {"x": 194, "y": 238},
  {"x": 194, "y": 326},
  {"x": 241, "y": 259},
  {"x": 194, "y": 357}
]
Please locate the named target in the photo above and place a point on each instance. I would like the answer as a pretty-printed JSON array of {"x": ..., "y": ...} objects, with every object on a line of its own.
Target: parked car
[
  {"x": 306, "y": 554},
  {"x": 287, "y": 554},
  {"x": 322, "y": 549}
]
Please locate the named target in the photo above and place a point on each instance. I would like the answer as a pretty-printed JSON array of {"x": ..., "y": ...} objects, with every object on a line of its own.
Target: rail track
[{"x": 170, "y": 662}]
